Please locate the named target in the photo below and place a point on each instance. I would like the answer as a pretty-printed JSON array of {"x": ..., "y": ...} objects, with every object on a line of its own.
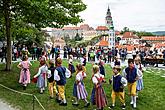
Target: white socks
[
  {"x": 64, "y": 100},
  {"x": 134, "y": 101},
  {"x": 131, "y": 100}
]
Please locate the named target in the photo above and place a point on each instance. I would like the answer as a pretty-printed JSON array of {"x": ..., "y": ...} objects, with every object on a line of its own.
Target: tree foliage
[{"x": 39, "y": 14}]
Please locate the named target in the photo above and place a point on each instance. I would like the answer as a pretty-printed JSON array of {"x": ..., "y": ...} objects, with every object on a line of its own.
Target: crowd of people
[{"x": 52, "y": 72}]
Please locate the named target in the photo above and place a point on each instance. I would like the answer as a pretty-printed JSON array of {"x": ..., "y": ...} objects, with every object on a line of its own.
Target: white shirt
[
  {"x": 57, "y": 77},
  {"x": 70, "y": 61},
  {"x": 139, "y": 74},
  {"x": 98, "y": 75}
]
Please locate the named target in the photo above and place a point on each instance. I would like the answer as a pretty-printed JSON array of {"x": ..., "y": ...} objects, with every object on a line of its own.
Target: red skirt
[{"x": 101, "y": 100}]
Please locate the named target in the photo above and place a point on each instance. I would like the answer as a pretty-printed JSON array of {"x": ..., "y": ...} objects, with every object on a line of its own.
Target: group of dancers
[{"x": 55, "y": 74}]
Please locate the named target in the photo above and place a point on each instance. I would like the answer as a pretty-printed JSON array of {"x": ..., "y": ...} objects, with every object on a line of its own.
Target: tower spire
[{"x": 108, "y": 9}]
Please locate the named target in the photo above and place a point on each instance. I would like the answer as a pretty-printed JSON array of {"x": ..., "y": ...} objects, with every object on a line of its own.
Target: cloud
[{"x": 136, "y": 14}]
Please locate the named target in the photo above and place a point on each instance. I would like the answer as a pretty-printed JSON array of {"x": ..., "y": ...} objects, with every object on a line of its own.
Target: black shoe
[
  {"x": 111, "y": 107},
  {"x": 63, "y": 104},
  {"x": 58, "y": 101},
  {"x": 50, "y": 97},
  {"x": 87, "y": 104},
  {"x": 24, "y": 87},
  {"x": 123, "y": 107},
  {"x": 74, "y": 104}
]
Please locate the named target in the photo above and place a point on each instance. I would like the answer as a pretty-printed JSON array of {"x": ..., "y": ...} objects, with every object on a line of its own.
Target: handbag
[{"x": 34, "y": 80}]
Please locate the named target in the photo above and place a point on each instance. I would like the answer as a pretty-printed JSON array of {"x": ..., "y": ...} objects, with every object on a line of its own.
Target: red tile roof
[
  {"x": 129, "y": 47},
  {"x": 102, "y": 43},
  {"x": 154, "y": 38},
  {"x": 129, "y": 35},
  {"x": 102, "y": 28},
  {"x": 71, "y": 28},
  {"x": 117, "y": 32}
]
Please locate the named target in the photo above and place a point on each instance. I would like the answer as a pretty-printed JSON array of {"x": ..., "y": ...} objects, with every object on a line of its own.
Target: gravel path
[{"x": 5, "y": 106}]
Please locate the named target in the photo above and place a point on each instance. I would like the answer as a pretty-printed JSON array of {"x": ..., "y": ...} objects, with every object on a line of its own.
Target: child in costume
[
  {"x": 60, "y": 75},
  {"x": 42, "y": 76},
  {"x": 118, "y": 84},
  {"x": 71, "y": 66},
  {"x": 52, "y": 84},
  {"x": 79, "y": 91},
  {"x": 139, "y": 82},
  {"x": 132, "y": 74},
  {"x": 25, "y": 73},
  {"x": 98, "y": 96}
]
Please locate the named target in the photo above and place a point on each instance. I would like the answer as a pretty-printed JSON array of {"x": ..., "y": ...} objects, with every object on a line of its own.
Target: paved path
[{"x": 5, "y": 106}]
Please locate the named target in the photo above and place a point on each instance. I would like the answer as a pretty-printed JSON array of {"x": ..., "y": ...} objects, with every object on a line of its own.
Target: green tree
[
  {"x": 143, "y": 33},
  {"x": 125, "y": 29},
  {"x": 40, "y": 14},
  {"x": 77, "y": 37}
]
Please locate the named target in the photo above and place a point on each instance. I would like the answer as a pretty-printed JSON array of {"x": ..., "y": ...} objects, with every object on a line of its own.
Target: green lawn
[{"x": 151, "y": 98}]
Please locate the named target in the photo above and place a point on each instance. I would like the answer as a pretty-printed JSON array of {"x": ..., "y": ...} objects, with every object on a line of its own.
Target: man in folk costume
[
  {"x": 118, "y": 83},
  {"x": 132, "y": 74},
  {"x": 60, "y": 75}
]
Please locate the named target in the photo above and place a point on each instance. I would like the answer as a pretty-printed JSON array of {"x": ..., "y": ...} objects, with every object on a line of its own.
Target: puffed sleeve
[
  {"x": 124, "y": 73},
  {"x": 94, "y": 80},
  {"x": 124, "y": 81},
  {"x": 67, "y": 73},
  {"x": 70, "y": 61},
  {"x": 49, "y": 73},
  {"x": 56, "y": 76},
  {"x": 78, "y": 78},
  {"x": 139, "y": 74}
]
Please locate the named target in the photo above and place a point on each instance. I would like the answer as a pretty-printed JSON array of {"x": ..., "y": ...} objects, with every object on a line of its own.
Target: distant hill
[{"x": 159, "y": 33}]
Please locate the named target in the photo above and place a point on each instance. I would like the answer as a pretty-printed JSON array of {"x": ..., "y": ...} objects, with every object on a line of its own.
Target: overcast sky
[{"x": 141, "y": 15}]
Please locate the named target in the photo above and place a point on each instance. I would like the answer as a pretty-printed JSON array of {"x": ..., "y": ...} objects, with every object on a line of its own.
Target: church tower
[{"x": 109, "y": 24}]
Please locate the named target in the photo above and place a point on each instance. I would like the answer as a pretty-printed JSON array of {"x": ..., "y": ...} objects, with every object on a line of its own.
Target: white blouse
[
  {"x": 80, "y": 76},
  {"x": 42, "y": 68},
  {"x": 98, "y": 75}
]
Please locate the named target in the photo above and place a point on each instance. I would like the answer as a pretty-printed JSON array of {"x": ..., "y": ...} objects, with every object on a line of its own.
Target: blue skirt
[
  {"x": 79, "y": 91},
  {"x": 93, "y": 98},
  {"x": 139, "y": 85}
]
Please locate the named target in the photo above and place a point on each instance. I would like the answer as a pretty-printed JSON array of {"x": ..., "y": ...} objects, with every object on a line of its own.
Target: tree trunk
[{"x": 8, "y": 34}]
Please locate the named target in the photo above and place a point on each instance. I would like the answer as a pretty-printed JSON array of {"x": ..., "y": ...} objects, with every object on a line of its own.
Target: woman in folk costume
[
  {"x": 41, "y": 76},
  {"x": 71, "y": 66},
  {"x": 25, "y": 73},
  {"x": 79, "y": 91},
  {"x": 98, "y": 96},
  {"x": 139, "y": 85},
  {"x": 118, "y": 84},
  {"x": 132, "y": 74}
]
